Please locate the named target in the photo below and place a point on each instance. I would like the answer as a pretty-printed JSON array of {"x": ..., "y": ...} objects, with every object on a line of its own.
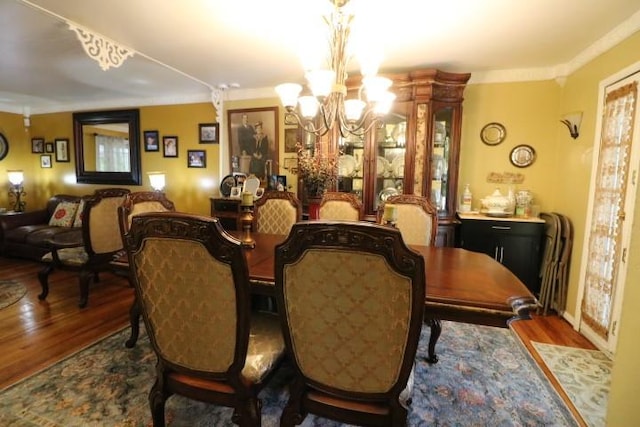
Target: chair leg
[
  {"x": 156, "y": 403},
  {"x": 247, "y": 414},
  {"x": 43, "y": 277},
  {"x": 134, "y": 320},
  {"x": 436, "y": 328},
  {"x": 85, "y": 278}
]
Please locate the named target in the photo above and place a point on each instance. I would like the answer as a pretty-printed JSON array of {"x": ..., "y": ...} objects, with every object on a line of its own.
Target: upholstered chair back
[
  {"x": 100, "y": 221},
  {"x": 417, "y": 218},
  {"x": 276, "y": 212},
  {"x": 192, "y": 287},
  {"x": 140, "y": 202},
  {"x": 351, "y": 299},
  {"x": 341, "y": 206}
]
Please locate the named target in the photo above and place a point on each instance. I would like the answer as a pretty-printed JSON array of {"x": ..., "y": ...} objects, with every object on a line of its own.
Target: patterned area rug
[
  {"x": 484, "y": 378},
  {"x": 585, "y": 375},
  {"x": 10, "y": 292}
]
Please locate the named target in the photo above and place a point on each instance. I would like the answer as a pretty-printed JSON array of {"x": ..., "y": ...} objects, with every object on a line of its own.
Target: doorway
[{"x": 612, "y": 194}]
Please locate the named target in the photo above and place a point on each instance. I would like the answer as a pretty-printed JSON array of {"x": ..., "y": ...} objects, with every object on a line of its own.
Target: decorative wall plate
[
  {"x": 493, "y": 133},
  {"x": 4, "y": 147},
  {"x": 522, "y": 156}
]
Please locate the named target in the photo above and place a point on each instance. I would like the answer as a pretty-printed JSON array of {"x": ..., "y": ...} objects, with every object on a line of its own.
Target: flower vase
[{"x": 314, "y": 207}]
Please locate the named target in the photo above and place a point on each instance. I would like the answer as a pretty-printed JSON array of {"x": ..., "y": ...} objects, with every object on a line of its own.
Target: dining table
[{"x": 461, "y": 286}]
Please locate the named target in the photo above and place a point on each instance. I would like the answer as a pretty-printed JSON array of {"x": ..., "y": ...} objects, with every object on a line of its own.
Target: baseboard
[{"x": 569, "y": 318}]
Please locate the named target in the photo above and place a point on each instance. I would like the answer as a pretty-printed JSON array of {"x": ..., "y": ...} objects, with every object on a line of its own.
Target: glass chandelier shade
[{"x": 327, "y": 105}]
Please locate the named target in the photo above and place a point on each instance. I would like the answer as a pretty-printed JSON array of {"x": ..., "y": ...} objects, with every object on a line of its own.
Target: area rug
[
  {"x": 10, "y": 292},
  {"x": 483, "y": 378},
  {"x": 585, "y": 375}
]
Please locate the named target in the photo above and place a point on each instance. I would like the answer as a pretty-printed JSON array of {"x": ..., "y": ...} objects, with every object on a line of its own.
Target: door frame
[{"x": 608, "y": 346}]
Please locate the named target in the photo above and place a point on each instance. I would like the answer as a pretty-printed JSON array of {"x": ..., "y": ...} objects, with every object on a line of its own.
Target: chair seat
[
  {"x": 266, "y": 346},
  {"x": 75, "y": 257}
]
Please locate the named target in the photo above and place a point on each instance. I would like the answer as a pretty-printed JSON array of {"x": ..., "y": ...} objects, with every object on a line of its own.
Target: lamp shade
[
  {"x": 157, "y": 180},
  {"x": 288, "y": 93},
  {"x": 16, "y": 177}
]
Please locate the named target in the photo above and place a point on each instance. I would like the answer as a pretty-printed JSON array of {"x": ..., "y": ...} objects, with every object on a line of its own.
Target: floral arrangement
[{"x": 318, "y": 171}]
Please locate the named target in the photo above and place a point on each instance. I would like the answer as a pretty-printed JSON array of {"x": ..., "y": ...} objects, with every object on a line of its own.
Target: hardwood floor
[{"x": 36, "y": 334}]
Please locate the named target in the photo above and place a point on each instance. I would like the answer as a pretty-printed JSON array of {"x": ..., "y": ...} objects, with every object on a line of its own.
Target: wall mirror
[{"x": 107, "y": 147}]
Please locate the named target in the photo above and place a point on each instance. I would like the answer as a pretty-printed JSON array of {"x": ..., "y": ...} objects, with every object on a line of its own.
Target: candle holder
[
  {"x": 246, "y": 220},
  {"x": 390, "y": 216}
]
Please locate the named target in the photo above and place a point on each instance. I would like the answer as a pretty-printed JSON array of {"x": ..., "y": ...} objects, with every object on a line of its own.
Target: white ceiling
[{"x": 186, "y": 48}]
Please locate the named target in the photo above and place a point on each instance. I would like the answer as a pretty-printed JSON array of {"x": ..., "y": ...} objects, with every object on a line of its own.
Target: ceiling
[{"x": 185, "y": 49}]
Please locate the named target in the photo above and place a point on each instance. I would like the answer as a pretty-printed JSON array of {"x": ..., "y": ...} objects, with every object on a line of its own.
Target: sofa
[{"x": 25, "y": 234}]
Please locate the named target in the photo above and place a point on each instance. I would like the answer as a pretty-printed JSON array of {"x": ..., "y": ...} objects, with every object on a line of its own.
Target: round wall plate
[
  {"x": 493, "y": 133},
  {"x": 4, "y": 147},
  {"x": 522, "y": 156}
]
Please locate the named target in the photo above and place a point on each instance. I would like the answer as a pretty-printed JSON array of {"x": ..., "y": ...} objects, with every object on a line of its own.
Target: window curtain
[
  {"x": 608, "y": 214},
  {"x": 112, "y": 154}
]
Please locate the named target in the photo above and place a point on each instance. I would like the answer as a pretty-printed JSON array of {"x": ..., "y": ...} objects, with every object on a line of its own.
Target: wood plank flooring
[{"x": 35, "y": 334}]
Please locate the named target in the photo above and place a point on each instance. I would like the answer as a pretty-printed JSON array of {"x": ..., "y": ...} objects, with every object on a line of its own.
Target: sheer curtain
[
  {"x": 607, "y": 212},
  {"x": 112, "y": 154}
]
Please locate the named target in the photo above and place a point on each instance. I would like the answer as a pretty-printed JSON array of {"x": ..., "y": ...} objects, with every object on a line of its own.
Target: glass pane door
[
  {"x": 390, "y": 146},
  {"x": 440, "y": 160}
]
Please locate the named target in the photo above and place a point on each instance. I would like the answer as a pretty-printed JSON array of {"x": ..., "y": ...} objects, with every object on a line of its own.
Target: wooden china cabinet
[{"x": 415, "y": 152}]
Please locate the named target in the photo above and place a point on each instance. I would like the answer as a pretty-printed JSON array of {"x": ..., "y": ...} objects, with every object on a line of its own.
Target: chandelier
[{"x": 329, "y": 106}]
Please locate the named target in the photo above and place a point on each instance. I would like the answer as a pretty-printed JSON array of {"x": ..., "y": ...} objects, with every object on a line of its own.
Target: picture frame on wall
[
  {"x": 253, "y": 142},
  {"x": 209, "y": 133},
  {"x": 170, "y": 146},
  {"x": 290, "y": 140},
  {"x": 196, "y": 158},
  {"x": 45, "y": 161},
  {"x": 151, "y": 140},
  {"x": 62, "y": 150},
  {"x": 48, "y": 147},
  {"x": 37, "y": 145}
]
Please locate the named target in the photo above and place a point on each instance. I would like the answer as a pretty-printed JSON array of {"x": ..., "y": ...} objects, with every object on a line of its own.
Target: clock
[{"x": 4, "y": 147}]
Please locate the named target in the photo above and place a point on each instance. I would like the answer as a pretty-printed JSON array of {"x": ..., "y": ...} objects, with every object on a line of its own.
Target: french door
[{"x": 612, "y": 195}]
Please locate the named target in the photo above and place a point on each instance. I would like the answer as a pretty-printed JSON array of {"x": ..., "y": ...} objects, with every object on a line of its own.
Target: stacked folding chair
[{"x": 554, "y": 270}]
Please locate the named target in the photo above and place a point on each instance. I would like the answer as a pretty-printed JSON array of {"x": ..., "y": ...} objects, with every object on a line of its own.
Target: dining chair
[
  {"x": 100, "y": 242},
  {"x": 351, "y": 302},
  {"x": 341, "y": 206},
  {"x": 276, "y": 212},
  {"x": 417, "y": 218},
  {"x": 192, "y": 283},
  {"x": 133, "y": 204}
]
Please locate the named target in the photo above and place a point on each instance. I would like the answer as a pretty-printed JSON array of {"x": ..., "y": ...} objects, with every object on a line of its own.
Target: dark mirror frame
[{"x": 92, "y": 118}]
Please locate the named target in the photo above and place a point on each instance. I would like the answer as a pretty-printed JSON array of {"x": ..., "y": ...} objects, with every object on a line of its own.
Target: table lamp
[{"x": 16, "y": 191}]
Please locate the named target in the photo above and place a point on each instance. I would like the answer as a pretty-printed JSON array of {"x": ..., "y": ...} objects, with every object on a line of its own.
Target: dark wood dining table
[{"x": 461, "y": 286}]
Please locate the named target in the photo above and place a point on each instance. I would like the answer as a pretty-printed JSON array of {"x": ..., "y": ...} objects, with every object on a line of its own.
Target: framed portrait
[
  {"x": 278, "y": 182},
  {"x": 48, "y": 147},
  {"x": 170, "y": 146},
  {"x": 151, "y": 140},
  {"x": 253, "y": 141},
  {"x": 290, "y": 140},
  {"x": 236, "y": 192},
  {"x": 45, "y": 161},
  {"x": 291, "y": 164},
  {"x": 209, "y": 133},
  {"x": 37, "y": 145},
  {"x": 196, "y": 158},
  {"x": 62, "y": 150}
]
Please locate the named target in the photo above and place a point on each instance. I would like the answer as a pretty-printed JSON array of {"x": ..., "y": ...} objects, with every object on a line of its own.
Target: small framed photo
[
  {"x": 37, "y": 145},
  {"x": 62, "y": 150},
  {"x": 290, "y": 140},
  {"x": 209, "y": 133},
  {"x": 170, "y": 146},
  {"x": 151, "y": 140},
  {"x": 48, "y": 147},
  {"x": 45, "y": 161},
  {"x": 196, "y": 158},
  {"x": 236, "y": 192}
]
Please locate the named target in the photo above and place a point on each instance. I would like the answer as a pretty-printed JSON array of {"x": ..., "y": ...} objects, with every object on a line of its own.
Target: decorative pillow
[
  {"x": 64, "y": 214},
  {"x": 77, "y": 222}
]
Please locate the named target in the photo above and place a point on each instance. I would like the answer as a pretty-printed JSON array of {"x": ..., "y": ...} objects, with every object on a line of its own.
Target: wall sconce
[
  {"x": 16, "y": 191},
  {"x": 157, "y": 180},
  {"x": 572, "y": 122}
]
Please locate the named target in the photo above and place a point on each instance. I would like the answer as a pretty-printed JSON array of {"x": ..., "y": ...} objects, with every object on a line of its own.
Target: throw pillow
[
  {"x": 77, "y": 222},
  {"x": 64, "y": 214}
]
